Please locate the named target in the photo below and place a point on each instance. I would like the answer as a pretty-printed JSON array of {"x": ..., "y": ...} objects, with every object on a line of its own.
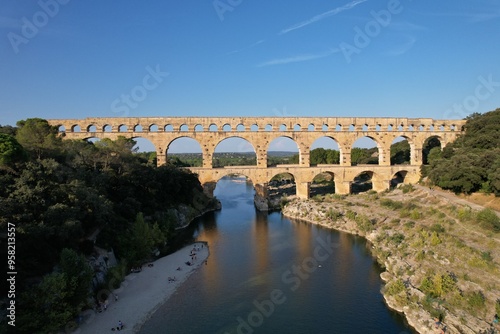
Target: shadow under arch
[
  {"x": 398, "y": 178},
  {"x": 322, "y": 184},
  {"x": 279, "y": 187},
  {"x": 362, "y": 182}
]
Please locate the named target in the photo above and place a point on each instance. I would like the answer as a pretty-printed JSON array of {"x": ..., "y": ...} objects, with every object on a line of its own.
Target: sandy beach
[{"x": 141, "y": 294}]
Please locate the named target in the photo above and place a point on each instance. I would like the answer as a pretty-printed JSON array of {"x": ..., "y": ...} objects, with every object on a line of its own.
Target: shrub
[
  {"x": 488, "y": 219},
  {"x": 395, "y": 287},
  {"x": 464, "y": 214},
  {"x": 407, "y": 188},
  {"x": 476, "y": 300},
  {"x": 438, "y": 284},
  {"x": 284, "y": 201},
  {"x": 435, "y": 240},
  {"x": 351, "y": 215},
  {"x": 486, "y": 256},
  {"x": 404, "y": 213},
  {"x": 420, "y": 255},
  {"x": 333, "y": 215},
  {"x": 364, "y": 224},
  {"x": 337, "y": 196},
  {"x": 437, "y": 228},
  {"x": 395, "y": 205},
  {"x": 397, "y": 238},
  {"x": 317, "y": 198},
  {"x": 415, "y": 214},
  {"x": 410, "y": 224},
  {"x": 427, "y": 285},
  {"x": 116, "y": 275}
]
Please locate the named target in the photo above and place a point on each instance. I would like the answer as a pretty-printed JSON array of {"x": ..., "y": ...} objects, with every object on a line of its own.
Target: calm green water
[{"x": 267, "y": 274}]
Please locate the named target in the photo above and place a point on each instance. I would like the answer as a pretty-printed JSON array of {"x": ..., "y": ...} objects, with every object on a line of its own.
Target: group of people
[
  {"x": 192, "y": 254},
  {"x": 119, "y": 327}
]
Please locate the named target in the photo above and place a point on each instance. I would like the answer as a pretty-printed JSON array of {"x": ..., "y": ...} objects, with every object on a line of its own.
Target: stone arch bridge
[{"x": 261, "y": 131}]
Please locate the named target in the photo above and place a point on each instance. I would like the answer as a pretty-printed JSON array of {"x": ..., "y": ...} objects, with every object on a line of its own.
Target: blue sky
[{"x": 408, "y": 58}]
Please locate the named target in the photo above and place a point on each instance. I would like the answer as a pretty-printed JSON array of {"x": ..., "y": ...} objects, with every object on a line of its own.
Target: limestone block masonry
[{"x": 261, "y": 131}]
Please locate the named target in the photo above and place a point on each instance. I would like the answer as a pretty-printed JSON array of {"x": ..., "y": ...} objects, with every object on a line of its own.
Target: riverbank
[
  {"x": 142, "y": 293},
  {"x": 438, "y": 262}
]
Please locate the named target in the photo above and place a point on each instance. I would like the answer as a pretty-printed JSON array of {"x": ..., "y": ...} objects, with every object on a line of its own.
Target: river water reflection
[{"x": 267, "y": 274}]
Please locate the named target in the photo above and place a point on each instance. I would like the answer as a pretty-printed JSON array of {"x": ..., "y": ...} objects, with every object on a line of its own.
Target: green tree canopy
[
  {"x": 10, "y": 150},
  {"x": 322, "y": 156},
  {"x": 400, "y": 153},
  {"x": 38, "y": 137}
]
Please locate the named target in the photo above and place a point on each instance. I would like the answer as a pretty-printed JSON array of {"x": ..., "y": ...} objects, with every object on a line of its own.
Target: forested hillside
[
  {"x": 64, "y": 195},
  {"x": 472, "y": 162}
]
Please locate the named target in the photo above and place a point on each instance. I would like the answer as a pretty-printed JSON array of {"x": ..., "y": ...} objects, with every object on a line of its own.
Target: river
[{"x": 267, "y": 274}]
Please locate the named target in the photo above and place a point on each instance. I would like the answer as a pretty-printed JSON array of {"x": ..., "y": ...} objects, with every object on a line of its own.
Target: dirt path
[{"x": 452, "y": 198}]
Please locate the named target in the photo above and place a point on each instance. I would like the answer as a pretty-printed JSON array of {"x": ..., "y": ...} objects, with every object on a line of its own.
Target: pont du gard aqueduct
[{"x": 261, "y": 131}]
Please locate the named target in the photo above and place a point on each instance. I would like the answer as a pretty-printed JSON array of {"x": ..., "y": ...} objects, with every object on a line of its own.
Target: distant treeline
[
  {"x": 400, "y": 154},
  {"x": 62, "y": 194}
]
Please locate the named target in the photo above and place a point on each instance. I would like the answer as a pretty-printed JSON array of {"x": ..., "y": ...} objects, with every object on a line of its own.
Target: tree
[
  {"x": 494, "y": 177},
  {"x": 429, "y": 144},
  {"x": 10, "y": 150},
  {"x": 38, "y": 137},
  {"x": 78, "y": 276},
  {"x": 8, "y": 130},
  {"x": 137, "y": 243},
  {"x": 45, "y": 307},
  {"x": 332, "y": 157},
  {"x": 400, "y": 153},
  {"x": 434, "y": 154},
  {"x": 322, "y": 156},
  {"x": 457, "y": 174},
  {"x": 364, "y": 156}
]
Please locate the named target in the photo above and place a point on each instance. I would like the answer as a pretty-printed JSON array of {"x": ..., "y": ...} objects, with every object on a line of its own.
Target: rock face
[
  {"x": 261, "y": 203},
  {"x": 400, "y": 258},
  {"x": 184, "y": 214},
  {"x": 100, "y": 261}
]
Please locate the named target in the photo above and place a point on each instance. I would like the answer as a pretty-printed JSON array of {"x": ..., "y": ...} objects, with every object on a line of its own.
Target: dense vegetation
[
  {"x": 63, "y": 196},
  {"x": 472, "y": 162}
]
